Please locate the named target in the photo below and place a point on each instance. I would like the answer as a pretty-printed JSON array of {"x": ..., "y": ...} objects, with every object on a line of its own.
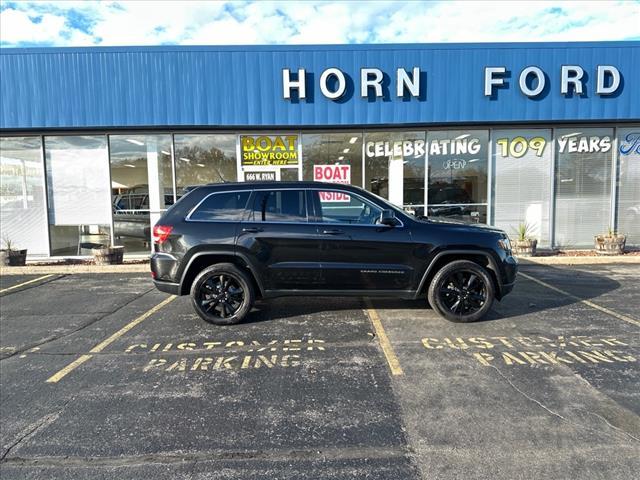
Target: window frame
[
  {"x": 318, "y": 220},
  {"x": 195, "y": 208},
  {"x": 249, "y": 212}
]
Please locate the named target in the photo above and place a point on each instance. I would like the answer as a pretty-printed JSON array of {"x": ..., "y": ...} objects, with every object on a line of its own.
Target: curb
[
  {"x": 71, "y": 269},
  {"x": 566, "y": 260}
]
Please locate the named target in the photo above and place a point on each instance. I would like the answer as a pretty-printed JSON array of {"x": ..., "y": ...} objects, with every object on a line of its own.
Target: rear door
[
  {"x": 358, "y": 253},
  {"x": 279, "y": 240}
]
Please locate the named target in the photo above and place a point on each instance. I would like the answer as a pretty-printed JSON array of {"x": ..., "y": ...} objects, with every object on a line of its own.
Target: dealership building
[{"x": 96, "y": 143}]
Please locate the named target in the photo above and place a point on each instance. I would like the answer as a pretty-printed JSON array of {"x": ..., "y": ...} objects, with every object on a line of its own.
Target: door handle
[
  {"x": 333, "y": 232},
  {"x": 251, "y": 230}
]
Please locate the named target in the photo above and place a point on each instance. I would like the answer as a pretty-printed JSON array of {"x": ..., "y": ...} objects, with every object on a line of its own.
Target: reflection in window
[
  {"x": 338, "y": 207},
  {"x": 280, "y": 206},
  {"x": 22, "y": 195},
  {"x": 395, "y": 166},
  {"x": 78, "y": 193},
  {"x": 222, "y": 207},
  {"x": 457, "y": 162},
  {"x": 202, "y": 159},
  {"x": 141, "y": 186},
  {"x": 629, "y": 184},
  {"x": 583, "y": 184},
  {"x": 322, "y": 149}
]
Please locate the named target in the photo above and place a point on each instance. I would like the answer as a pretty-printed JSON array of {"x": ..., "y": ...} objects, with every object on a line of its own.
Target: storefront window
[
  {"x": 629, "y": 184},
  {"x": 78, "y": 193},
  {"x": 395, "y": 166},
  {"x": 583, "y": 185},
  {"x": 202, "y": 159},
  {"x": 324, "y": 149},
  {"x": 22, "y": 195},
  {"x": 457, "y": 162},
  {"x": 141, "y": 187},
  {"x": 522, "y": 186}
]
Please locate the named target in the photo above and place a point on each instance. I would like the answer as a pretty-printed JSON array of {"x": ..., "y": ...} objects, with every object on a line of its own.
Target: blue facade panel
[{"x": 242, "y": 86}]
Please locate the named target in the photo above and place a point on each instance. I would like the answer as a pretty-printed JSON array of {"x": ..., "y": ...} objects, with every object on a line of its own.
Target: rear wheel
[
  {"x": 222, "y": 294},
  {"x": 462, "y": 291}
]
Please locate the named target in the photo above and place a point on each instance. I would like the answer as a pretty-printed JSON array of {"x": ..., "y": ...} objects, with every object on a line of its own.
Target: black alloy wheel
[
  {"x": 222, "y": 294},
  {"x": 462, "y": 291}
]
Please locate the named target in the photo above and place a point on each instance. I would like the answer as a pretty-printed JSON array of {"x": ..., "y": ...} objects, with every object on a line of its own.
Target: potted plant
[
  {"x": 524, "y": 245},
  {"x": 108, "y": 255},
  {"x": 11, "y": 256},
  {"x": 611, "y": 243}
]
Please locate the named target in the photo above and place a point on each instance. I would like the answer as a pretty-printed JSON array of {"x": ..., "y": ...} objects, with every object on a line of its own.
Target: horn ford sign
[
  {"x": 335, "y": 174},
  {"x": 532, "y": 82},
  {"x": 269, "y": 150}
]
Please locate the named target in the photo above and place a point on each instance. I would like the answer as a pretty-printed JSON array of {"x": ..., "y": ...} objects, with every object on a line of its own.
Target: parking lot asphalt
[{"x": 102, "y": 376}]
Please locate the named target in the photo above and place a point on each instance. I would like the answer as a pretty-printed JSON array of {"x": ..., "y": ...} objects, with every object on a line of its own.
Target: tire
[
  {"x": 222, "y": 294},
  {"x": 462, "y": 291}
]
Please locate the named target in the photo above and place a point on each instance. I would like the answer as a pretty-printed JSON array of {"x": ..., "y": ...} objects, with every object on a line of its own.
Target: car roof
[{"x": 273, "y": 185}]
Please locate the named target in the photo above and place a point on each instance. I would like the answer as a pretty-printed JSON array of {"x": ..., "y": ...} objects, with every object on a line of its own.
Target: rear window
[
  {"x": 280, "y": 206},
  {"x": 227, "y": 206}
]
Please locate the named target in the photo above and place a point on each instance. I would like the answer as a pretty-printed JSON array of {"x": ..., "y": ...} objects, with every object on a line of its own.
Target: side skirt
[{"x": 403, "y": 294}]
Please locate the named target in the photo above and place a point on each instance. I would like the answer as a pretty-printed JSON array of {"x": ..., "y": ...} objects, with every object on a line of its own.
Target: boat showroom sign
[{"x": 532, "y": 82}]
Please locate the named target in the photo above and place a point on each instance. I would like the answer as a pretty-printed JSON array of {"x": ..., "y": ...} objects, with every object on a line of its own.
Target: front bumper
[{"x": 509, "y": 273}]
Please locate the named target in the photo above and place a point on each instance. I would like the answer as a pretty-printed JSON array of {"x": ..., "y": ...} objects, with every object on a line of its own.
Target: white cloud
[{"x": 73, "y": 23}]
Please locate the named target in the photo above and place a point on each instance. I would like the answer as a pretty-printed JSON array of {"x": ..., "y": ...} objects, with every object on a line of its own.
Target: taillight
[{"x": 161, "y": 233}]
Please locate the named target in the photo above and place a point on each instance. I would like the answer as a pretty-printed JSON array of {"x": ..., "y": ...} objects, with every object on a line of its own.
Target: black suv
[{"x": 229, "y": 244}]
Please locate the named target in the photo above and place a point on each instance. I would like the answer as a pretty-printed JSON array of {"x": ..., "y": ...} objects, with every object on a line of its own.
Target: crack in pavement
[
  {"x": 33, "y": 429},
  {"x": 331, "y": 453},
  {"x": 82, "y": 327},
  {"x": 540, "y": 404},
  {"x": 556, "y": 414}
]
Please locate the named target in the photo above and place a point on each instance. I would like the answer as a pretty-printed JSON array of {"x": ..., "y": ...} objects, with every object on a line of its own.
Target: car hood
[{"x": 460, "y": 226}]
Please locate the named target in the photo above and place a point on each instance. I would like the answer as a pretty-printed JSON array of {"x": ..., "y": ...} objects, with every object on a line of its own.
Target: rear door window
[
  {"x": 280, "y": 206},
  {"x": 225, "y": 206}
]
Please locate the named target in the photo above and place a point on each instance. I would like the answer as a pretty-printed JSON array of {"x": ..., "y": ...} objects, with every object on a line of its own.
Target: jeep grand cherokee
[{"x": 228, "y": 244}]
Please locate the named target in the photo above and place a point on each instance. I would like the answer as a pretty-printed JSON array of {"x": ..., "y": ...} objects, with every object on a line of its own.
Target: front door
[
  {"x": 280, "y": 241},
  {"x": 358, "y": 253}
]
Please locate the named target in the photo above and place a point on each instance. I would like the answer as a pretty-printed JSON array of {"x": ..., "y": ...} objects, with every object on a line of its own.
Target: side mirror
[{"x": 388, "y": 217}]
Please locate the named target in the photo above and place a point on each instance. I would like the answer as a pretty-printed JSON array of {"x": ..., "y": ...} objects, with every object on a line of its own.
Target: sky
[{"x": 112, "y": 23}]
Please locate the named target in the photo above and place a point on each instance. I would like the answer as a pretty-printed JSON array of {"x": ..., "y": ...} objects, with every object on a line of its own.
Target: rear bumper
[
  {"x": 167, "y": 287},
  {"x": 164, "y": 269}
]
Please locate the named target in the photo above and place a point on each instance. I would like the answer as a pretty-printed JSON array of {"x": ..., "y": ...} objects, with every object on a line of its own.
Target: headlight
[{"x": 505, "y": 244}]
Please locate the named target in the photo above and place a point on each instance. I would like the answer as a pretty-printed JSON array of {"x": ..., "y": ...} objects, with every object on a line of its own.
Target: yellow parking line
[
  {"x": 102, "y": 345},
  {"x": 26, "y": 283},
  {"x": 589, "y": 303},
  {"x": 387, "y": 349}
]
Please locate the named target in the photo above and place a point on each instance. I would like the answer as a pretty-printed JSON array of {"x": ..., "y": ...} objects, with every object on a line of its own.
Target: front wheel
[
  {"x": 222, "y": 294},
  {"x": 462, "y": 291}
]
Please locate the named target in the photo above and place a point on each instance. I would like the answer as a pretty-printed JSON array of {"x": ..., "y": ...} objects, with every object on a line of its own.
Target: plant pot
[
  {"x": 108, "y": 255},
  {"x": 610, "y": 244},
  {"x": 525, "y": 248},
  {"x": 13, "y": 258}
]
